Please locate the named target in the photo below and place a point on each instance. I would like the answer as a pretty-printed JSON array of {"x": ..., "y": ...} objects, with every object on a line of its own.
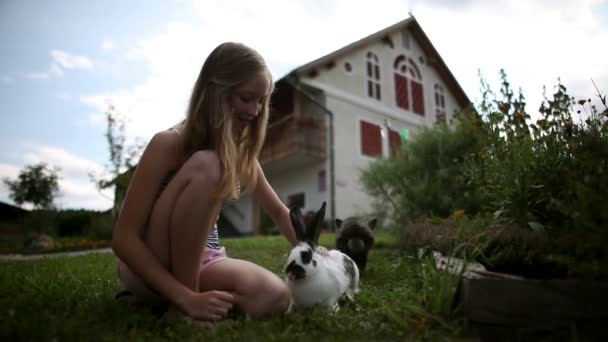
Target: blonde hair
[{"x": 209, "y": 123}]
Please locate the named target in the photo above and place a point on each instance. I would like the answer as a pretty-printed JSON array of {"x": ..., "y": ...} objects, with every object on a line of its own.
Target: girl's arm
[{"x": 265, "y": 195}]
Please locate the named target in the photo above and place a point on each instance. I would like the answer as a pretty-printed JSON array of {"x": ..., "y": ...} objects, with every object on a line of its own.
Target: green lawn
[{"x": 71, "y": 298}]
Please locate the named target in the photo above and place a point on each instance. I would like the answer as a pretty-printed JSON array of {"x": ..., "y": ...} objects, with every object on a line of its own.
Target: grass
[{"x": 71, "y": 298}]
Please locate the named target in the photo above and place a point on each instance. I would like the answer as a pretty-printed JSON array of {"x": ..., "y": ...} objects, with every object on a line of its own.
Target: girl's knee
[
  {"x": 264, "y": 297},
  {"x": 278, "y": 296},
  {"x": 204, "y": 168},
  {"x": 283, "y": 298}
]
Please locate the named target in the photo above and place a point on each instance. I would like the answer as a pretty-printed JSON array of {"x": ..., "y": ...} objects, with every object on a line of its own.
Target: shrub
[
  {"x": 547, "y": 173},
  {"x": 426, "y": 178},
  {"x": 541, "y": 182},
  {"x": 73, "y": 222},
  {"x": 100, "y": 226}
]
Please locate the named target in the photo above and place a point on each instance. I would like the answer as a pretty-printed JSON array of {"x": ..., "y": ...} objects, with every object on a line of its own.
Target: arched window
[
  {"x": 373, "y": 76},
  {"x": 439, "y": 103},
  {"x": 408, "y": 85}
]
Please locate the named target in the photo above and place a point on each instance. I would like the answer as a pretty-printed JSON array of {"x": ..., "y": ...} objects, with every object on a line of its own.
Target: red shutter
[
  {"x": 401, "y": 93},
  {"x": 371, "y": 141},
  {"x": 395, "y": 142},
  {"x": 418, "y": 98}
]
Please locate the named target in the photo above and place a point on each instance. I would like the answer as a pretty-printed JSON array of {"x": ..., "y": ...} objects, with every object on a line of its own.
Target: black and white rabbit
[{"x": 318, "y": 278}]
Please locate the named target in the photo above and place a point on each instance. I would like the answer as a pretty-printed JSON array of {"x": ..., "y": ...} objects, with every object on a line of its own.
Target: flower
[
  {"x": 457, "y": 214},
  {"x": 582, "y": 101}
]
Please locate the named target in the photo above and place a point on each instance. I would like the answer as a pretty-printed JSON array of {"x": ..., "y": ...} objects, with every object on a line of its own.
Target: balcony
[{"x": 293, "y": 142}]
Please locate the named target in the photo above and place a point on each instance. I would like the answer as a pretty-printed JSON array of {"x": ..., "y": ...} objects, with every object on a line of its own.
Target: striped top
[{"x": 213, "y": 240}]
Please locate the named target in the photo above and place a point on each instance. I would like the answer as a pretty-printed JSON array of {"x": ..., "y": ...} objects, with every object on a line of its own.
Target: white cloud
[
  {"x": 7, "y": 171},
  {"x": 175, "y": 56},
  {"x": 38, "y": 75},
  {"x": 534, "y": 41},
  {"x": 68, "y": 61},
  {"x": 107, "y": 45},
  {"x": 7, "y": 79},
  {"x": 76, "y": 189},
  {"x": 61, "y": 61}
]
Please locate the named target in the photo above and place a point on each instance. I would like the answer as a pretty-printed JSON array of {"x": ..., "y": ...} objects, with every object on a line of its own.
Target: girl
[{"x": 165, "y": 237}]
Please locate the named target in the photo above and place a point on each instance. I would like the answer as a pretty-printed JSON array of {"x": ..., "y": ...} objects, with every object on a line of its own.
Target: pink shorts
[{"x": 143, "y": 293}]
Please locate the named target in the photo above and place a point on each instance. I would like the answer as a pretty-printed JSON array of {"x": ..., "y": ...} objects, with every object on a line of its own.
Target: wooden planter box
[{"x": 502, "y": 307}]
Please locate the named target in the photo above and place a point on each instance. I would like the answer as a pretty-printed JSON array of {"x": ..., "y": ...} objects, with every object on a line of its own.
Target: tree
[
  {"x": 122, "y": 157},
  {"x": 36, "y": 184}
]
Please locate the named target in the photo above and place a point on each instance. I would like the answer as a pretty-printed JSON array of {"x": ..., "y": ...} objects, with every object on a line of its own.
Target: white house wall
[
  {"x": 302, "y": 180},
  {"x": 347, "y": 97},
  {"x": 355, "y": 81},
  {"x": 240, "y": 214}
]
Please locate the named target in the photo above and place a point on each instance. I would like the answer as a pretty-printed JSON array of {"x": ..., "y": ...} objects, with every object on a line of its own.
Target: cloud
[
  {"x": 107, "y": 45},
  {"x": 10, "y": 172},
  {"x": 7, "y": 79},
  {"x": 62, "y": 61},
  {"x": 536, "y": 42},
  {"x": 67, "y": 61},
  {"x": 76, "y": 189},
  {"x": 175, "y": 55}
]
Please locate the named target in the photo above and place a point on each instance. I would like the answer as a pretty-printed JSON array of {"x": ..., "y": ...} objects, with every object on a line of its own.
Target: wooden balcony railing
[{"x": 291, "y": 136}]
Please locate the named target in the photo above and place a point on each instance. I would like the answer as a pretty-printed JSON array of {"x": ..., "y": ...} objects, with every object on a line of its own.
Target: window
[
  {"x": 408, "y": 85},
  {"x": 394, "y": 139},
  {"x": 371, "y": 140},
  {"x": 348, "y": 67},
  {"x": 401, "y": 84},
  {"x": 373, "y": 76},
  {"x": 322, "y": 181},
  {"x": 439, "y": 103},
  {"x": 296, "y": 200}
]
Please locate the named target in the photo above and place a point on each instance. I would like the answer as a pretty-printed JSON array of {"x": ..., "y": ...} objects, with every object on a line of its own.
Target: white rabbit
[{"x": 318, "y": 278}]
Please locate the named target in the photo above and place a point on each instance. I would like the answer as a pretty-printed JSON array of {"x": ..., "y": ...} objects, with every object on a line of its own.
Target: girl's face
[{"x": 248, "y": 97}]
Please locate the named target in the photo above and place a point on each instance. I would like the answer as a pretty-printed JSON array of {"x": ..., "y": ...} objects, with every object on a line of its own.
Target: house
[
  {"x": 331, "y": 117},
  {"x": 10, "y": 220}
]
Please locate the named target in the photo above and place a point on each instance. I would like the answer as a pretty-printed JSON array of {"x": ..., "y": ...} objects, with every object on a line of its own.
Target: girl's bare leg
[{"x": 183, "y": 215}]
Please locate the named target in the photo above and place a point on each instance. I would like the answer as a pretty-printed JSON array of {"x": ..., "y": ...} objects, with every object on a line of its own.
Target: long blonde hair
[{"x": 209, "y": 123}]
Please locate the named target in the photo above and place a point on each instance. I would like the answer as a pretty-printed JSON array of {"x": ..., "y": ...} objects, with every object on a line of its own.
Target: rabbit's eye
[{"x": 306, "y": 256}]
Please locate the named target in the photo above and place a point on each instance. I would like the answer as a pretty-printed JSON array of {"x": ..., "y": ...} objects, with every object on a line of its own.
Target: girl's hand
[{"x": 210, "y": 306}]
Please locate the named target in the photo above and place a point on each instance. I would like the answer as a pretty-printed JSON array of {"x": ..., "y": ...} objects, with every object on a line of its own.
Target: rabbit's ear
[
  {"x": 314, "y": 228},
  {"x": 372, "y": 224},
  {"x": 296, "y": 221},
  {"x": 338, "y": 223}
]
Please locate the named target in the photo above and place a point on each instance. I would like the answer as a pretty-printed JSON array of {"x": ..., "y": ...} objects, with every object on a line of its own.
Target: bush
[
  {"x": 73, "y": 222},
  {"x": 543, "y": 182},
  {"x": 39, "y": 222},
  {"x": 426, "y": 178},
  {"x": 100, "y": 226},
  {"x": 547, "y": 174}
]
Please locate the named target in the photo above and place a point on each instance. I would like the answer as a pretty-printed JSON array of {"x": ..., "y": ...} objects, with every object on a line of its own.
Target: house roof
[
  {"x": 10, "y": 212},
  {"x": 432, "y": 56}
]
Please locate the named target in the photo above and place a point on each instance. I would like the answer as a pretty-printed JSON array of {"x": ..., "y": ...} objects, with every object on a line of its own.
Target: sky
[{"x": 63, "y": 61}]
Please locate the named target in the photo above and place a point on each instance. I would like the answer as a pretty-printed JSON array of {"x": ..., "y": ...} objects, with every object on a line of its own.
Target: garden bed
[{"x": 503, "y": 307}]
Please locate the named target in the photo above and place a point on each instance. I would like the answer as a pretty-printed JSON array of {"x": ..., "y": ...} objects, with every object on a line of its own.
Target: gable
[{"x": 406, "y": 38}]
